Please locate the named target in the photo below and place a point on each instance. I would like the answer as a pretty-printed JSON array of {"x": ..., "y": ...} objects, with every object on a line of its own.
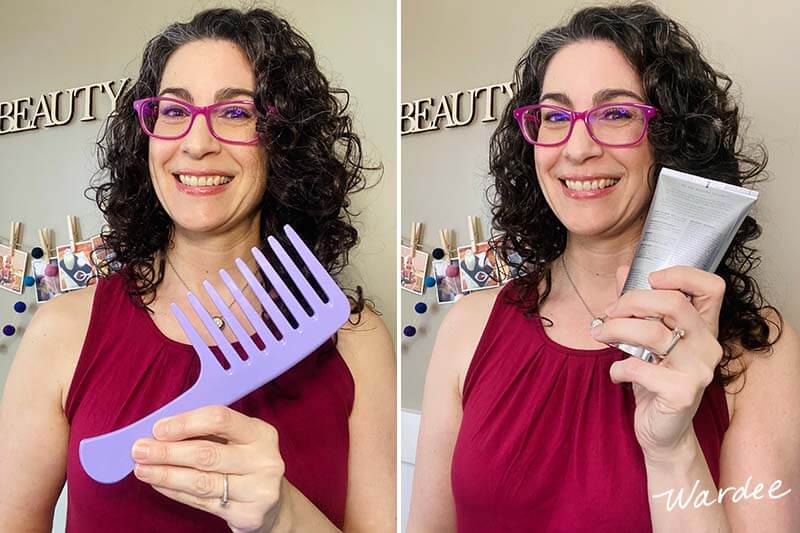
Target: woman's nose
[{"x": 581, "y": 146}]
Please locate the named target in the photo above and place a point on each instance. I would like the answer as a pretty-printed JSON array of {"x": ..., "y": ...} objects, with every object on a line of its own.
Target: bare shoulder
[
  {"x": 473, "y": 308},
  {"x": 759, "y": 369},
  {"x": 765, "y": 393},
  {"x": 460, "y": 333},
  {"x": 32, "y": 411},
  {"x": 54, "y": 337},
  {"x": 365, "y": 343}
]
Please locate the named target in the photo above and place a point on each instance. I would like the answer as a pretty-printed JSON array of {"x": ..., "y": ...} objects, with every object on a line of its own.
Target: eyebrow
[
  {"x": 598, "y": 98},
  {"x": 226, "y": 93}
]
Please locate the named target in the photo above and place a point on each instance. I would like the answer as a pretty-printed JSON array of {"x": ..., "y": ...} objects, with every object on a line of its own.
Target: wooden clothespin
[
  {"x": 44, "y": 239},
  {"x": 416, "y": 234},
  {"x": 13, "y": 238},
  {"x": 473, "y": 232},
  {"x": 444, "y": 236},
  {"x": 72, "y": 224}
]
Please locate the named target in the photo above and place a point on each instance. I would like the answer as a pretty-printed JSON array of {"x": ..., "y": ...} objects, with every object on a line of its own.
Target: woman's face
[
  {"x": 198, "y": 72},
  {"x": 580, "y": 76}
]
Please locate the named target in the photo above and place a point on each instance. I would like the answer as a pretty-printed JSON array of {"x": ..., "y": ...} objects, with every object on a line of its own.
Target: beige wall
[
  {"x": 52, "y": 45},
  {"x": 452, "y": 45}
]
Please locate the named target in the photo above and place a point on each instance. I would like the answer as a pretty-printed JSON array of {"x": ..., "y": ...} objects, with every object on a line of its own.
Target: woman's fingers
[
  {"x": 216, "y": 420},
  {"x": 651, "y": 334},
  {"x": 201, "y": 484},
  {"x": 654, "y": 378},
  {"x": 199, "y": 454},
  {"x": 671, "y": 305}
]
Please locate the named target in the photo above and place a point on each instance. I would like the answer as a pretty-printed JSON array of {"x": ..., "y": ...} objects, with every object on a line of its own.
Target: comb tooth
[
  {"x": 227, "y": 350},
  {"x": 266, "y": 301},
  {"x": 238, "y": 331},
  {"x": 252, "y": 316},
  {"x": 299, "y": 279},
  {"x": 322, "y": 276},
  {"x": 207, "y": 359},
  {"x": 280, "y": 287}
]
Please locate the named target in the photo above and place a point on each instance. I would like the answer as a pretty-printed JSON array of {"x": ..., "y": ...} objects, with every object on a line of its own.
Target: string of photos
[
  {"x": 454, "y": 272},
  {"x": 51, "y": 270}
]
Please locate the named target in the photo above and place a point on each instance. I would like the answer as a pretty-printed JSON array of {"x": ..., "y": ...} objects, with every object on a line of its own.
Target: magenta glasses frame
[
  {"x": 521, "y": 113},
  {"x": 140, "y": 106}
]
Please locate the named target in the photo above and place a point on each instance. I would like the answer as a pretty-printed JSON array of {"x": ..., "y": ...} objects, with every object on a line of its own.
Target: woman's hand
[
  {"x": 191, "y": 452},
  {"x": 669, "y": 392}
]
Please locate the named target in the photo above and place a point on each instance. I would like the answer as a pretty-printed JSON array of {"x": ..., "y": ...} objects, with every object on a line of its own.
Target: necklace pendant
[
  {"x": 218, "y": 321},
  {"x": 596, "y": 322}
]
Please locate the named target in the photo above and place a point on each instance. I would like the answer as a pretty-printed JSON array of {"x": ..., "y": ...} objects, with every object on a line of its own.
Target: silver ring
[
  {"x": 223, "y": 502},
  {"x": 677, "y": 334}
]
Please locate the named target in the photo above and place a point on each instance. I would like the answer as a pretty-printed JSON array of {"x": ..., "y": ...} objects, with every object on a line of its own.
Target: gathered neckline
[{"x": 583, "y": 352}]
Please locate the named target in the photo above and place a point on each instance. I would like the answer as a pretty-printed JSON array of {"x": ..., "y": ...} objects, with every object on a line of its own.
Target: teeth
[
  {"x": 590, "y": 185},
  {"x": 203, "y": 181}
]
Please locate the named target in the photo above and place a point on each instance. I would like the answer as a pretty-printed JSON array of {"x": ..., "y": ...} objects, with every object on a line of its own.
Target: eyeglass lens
[
  {"x": 233, "y": 122},
  {"x": 613, "y": 125}
]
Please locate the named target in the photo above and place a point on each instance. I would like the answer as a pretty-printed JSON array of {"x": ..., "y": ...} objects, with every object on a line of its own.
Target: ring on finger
[
  {"x": 223, "y": 501},
  {"x": 677, "y": 334}
]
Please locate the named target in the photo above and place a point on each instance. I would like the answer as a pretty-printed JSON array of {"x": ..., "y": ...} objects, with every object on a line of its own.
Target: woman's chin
[{"x": 593, "y": 228}]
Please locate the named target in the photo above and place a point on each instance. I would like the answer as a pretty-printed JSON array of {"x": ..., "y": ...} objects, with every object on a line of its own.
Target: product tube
[{"x": 691, "y": 222}]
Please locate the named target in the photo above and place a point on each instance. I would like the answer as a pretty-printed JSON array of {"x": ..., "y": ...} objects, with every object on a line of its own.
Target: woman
[
  {"x": 531, "y": 423},
  {"x": 188, "y": 190}
]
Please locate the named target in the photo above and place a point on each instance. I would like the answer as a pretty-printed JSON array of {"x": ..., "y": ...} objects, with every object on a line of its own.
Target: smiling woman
[
  {"x": 229, "y": 133},
  {"x": 532, "y": 418}
]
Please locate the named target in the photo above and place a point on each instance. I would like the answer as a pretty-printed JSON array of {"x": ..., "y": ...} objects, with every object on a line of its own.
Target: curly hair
[
  {"x": 315, "y": 158},
  {"x": 696, "y": 131}
]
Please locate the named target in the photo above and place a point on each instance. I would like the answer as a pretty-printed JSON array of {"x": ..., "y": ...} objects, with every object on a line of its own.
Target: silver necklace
[
  {"x": 596, "y": 320},
  {"x": 218, "y": 321}
]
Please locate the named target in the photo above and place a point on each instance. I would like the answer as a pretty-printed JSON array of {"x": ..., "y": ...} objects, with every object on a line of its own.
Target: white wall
[{"x": 452, "y": 45}]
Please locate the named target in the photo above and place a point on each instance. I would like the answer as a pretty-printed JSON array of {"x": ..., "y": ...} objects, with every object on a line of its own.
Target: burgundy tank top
[
  {"x": 547, "y": 441},
  {"x": 128, "y": 368}
]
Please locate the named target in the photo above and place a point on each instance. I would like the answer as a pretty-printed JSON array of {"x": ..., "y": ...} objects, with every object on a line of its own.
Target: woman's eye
[
  {"x": 174, "y": 111},
  {"x": 556, "y": 116},
  {"x": 616, "y": 113},
  {"x": 236, "y": 112}
]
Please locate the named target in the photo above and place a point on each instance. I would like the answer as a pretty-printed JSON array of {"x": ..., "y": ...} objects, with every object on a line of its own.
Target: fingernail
[
  {"x": 161, "y": 429},
  {"x": 140, "y": 451},
  {"x": 142, "y": 471}
]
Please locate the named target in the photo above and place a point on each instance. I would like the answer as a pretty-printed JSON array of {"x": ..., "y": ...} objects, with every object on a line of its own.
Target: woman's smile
[{"x": 587, "y": 187}]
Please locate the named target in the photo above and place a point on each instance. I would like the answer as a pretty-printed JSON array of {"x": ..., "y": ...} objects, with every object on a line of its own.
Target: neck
[
  {"x": 198, "y": 256},
  {"x": 592, "y": 263}
]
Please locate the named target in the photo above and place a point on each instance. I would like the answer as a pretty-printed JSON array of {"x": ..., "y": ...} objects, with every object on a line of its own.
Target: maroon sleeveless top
[
  {"x": 128, "y": 368},
  {"x": 547, "y": 441}
]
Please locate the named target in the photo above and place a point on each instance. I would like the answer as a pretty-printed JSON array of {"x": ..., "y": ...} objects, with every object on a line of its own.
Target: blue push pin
[
  {"x": 409, "y": 331},
  {"x": 20, "y": 307},
  {"x": 9, "y": 330},
  {"x": 29, "y": 281},
  {"x": 420, "y": 307},
  {"x": 430, "y": 281}
]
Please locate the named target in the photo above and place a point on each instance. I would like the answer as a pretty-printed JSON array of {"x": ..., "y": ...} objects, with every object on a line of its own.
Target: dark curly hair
[
  {"x": 697, "y": 131},
  {"x": 315, "y": 158}
]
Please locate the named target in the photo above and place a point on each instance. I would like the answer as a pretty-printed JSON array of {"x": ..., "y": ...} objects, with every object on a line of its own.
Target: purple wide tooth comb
[{"x": 107, "y": 458}]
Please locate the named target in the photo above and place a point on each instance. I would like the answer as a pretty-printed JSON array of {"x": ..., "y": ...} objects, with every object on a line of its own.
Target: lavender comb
[{"x": 107, "y": 458}]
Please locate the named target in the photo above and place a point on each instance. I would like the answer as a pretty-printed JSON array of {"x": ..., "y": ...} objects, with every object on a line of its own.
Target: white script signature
[{"x": 704, "y": 499}]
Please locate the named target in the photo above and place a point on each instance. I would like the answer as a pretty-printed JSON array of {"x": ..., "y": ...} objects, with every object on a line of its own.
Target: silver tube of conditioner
[{"x": 691, "y": 222}]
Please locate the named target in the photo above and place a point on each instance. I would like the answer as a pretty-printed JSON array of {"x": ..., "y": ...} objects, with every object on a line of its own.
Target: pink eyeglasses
[
  {"x": 618, "y": 125},
  {"x": 233, "y": 121}
]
